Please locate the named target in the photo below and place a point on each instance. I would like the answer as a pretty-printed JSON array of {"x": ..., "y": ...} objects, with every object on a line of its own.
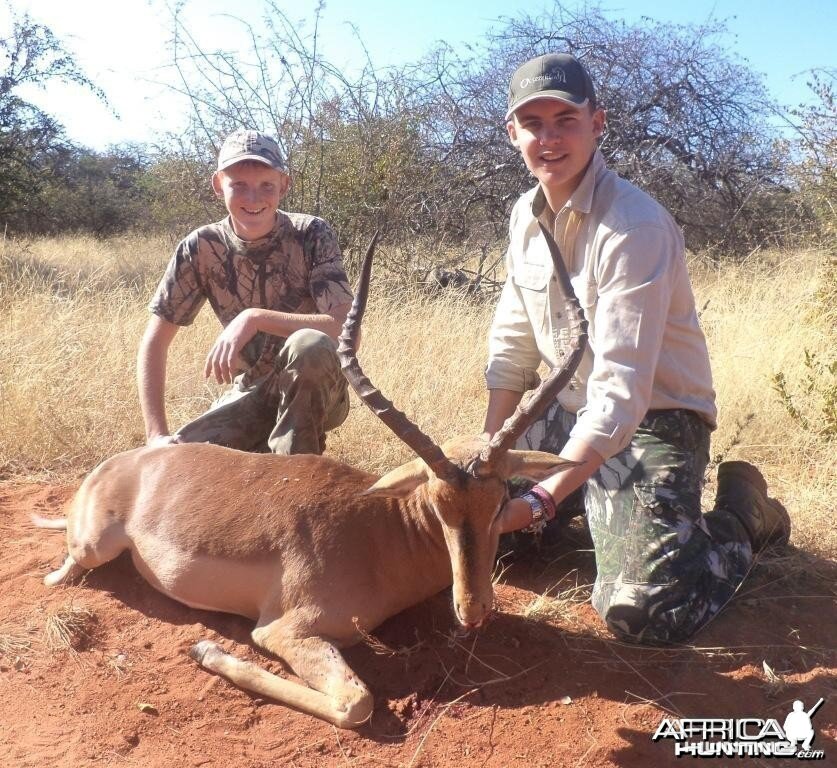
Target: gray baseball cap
[
  {"x": 557, "y": 76},
  {"x": 251, "y": 145}
]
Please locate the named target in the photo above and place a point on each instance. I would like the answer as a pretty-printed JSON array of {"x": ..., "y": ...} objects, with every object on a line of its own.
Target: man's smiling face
[
  {"x": 252, "y": 192},
  {"x": 556, "y": 140}
]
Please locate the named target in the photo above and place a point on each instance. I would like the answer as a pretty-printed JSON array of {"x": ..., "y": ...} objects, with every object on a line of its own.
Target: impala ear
[
  {"x": 401, "y": 481},
  {"x": 536, "y": 465}
]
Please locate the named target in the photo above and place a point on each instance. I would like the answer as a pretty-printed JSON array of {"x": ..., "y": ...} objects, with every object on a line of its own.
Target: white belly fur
[{"x": 210, "y": 583}]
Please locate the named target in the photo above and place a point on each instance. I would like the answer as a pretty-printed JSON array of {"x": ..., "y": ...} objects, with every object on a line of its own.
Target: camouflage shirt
[{"x": 296, "y": 268}]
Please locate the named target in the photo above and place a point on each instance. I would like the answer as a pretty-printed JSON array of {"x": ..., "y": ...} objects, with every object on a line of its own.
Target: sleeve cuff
[
  {"x": 511, "y": 377},
  {"x": 606, "y": 438},
  {"x": 155, "y": 309}
]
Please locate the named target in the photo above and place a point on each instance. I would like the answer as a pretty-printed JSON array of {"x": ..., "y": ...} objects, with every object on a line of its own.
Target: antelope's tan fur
[{"x": 303, "y": 545}]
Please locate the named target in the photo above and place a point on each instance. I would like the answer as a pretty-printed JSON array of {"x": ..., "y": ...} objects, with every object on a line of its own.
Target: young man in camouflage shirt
[
  {"x": 276, "y": 282},
  {"x": 639, "y": 410}
]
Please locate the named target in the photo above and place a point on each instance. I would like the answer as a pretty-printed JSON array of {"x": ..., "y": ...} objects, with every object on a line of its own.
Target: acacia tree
[
  {"x": 30, "y": 54},
  {"x": 353, "y": 141},
  {"x": 686, "y": 120},
  {"x": 814, "y": 170},
  {"x": 102, "y": 193},
  {"x": 422, "y": 149}
]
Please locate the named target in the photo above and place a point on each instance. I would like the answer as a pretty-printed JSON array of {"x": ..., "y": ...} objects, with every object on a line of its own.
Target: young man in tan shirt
[{"x": 639, "y": 410}]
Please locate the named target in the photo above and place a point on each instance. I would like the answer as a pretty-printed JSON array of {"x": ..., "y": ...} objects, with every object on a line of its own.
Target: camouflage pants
[
  {"x": 663, "y": 568},
  {"x": 287, "y": 411}
]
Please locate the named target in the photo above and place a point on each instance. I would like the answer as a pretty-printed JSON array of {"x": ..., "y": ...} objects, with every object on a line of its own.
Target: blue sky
[{"x": 122, "y": 45}]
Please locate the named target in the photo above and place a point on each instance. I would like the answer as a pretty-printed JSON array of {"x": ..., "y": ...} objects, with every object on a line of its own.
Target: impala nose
[{"x": 473, "y": 616}]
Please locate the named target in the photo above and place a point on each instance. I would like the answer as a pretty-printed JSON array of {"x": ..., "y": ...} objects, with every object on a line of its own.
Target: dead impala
[{"x": 310, "y": 548}]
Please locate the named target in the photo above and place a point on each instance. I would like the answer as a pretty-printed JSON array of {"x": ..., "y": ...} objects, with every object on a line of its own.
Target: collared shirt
[
  {"x": 627, "y": 267},
  {"x": 297, "y": 267}
]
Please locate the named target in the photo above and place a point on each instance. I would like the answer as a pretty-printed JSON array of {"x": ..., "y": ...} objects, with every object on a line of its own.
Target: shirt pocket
[
  {"x": 532, "y": 277},
  {"x": 533, "y": 280}
]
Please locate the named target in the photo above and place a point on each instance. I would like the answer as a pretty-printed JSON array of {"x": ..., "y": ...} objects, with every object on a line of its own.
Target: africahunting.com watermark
[{"x": 745, "y": 736}]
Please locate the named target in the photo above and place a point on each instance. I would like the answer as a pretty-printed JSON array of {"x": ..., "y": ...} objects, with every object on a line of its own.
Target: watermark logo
[{"x": 744, "y": 737}]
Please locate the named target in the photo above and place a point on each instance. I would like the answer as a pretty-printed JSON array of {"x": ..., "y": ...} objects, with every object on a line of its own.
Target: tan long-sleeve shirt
[{"x": 627, "y": 267}]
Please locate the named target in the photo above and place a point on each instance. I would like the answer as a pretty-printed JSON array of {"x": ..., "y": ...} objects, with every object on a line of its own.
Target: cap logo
[{"x": 556, "y": 75}]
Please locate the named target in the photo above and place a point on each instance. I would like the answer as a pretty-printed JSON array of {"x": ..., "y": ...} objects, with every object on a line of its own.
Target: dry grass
[
  {"x": 427, "y": 356},
  {"x": 559, "y": 603},
  {"x": 13, "y": 642},
  {"x": 74, "y": 311},
  {"x": 760, "y": 318},
  {"x": 66, "y": 627}
]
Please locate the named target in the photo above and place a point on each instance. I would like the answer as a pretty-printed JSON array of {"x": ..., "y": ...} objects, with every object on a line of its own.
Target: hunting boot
[{"x": 742, "y": 491}]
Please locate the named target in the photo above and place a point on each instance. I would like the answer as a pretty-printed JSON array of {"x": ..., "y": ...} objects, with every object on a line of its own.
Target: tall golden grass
[{"x": 74, "y": 309}]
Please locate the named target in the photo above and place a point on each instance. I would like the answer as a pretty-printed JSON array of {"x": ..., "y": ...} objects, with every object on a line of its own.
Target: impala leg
[
  {"x": 336, "y": 695},
  {"x": 321, "y": 665},
  {"x": 66, "y": 574}
]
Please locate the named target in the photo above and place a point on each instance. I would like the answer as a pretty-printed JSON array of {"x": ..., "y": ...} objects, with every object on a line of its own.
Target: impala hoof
[
  {"x": 354, "y": 713},
  {"x": 199, "y": 650}
]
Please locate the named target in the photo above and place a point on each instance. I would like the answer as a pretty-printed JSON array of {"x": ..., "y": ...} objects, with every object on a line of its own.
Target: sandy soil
[{"x": 537, "y": 690}]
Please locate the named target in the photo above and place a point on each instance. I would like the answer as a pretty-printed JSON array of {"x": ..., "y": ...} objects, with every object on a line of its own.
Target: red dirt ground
[{"x": 537, "y": 691}]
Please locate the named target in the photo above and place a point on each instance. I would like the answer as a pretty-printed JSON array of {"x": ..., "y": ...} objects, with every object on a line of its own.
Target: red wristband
[{"x": 546, "y": 499}]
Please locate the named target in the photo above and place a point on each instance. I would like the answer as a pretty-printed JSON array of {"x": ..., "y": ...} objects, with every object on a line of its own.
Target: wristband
[
  {"x": 539, "y": 518},
  {"x": 545, "y": 499}
]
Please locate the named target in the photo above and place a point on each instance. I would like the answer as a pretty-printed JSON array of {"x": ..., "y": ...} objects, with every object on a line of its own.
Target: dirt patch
[{"x": 541, "y": 685}]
